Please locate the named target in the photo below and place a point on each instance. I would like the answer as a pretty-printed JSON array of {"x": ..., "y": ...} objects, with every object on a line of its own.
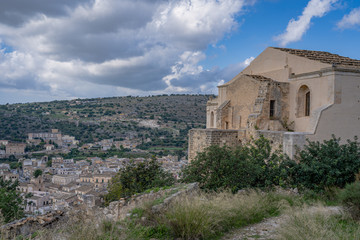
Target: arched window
[
  {"x": 212, "y": 119},
  {"x": 303, "y": 101}
]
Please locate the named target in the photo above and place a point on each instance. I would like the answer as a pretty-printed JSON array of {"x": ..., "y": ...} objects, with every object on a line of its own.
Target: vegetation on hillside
[
  {"x": 11, "y": 203},
  {"x": 136, "y": 178},
  {"x": 102, "y": 118},
  {"x": 210, "y": 216}
]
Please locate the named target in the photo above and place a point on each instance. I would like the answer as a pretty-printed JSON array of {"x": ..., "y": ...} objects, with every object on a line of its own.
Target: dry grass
[
  {"x": 209, "y": 215},
  {"x": 81, "y": 226},
  {"x": 317, "y": 223},
  {"x": 3, "y": 233}
]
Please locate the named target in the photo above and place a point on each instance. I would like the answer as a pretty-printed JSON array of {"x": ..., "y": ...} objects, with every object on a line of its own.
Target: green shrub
[
  {"x": 321, "y": 166},
  {"x": 136, "y": 178},
  {"x": 350, "y": 197},
  {"x": 251, "y": 165}
]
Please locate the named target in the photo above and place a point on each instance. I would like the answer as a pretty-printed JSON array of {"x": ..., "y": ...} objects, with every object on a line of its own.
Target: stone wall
[
  {"x": 199, "y": 139},
  {"x": 119, "y": 210},
  {"x": 29, "y": 225},
  {"x": 288, "y": 142}
]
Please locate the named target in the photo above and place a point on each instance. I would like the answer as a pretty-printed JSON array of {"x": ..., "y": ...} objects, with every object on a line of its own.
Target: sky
[{"x": 59, "y": 50}]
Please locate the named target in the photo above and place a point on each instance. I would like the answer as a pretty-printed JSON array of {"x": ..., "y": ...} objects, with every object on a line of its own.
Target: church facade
[{"x": 288, "y": 96}]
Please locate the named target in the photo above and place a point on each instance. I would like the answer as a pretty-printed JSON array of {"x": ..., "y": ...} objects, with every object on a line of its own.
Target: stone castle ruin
[{"x": 288, "y": 96}]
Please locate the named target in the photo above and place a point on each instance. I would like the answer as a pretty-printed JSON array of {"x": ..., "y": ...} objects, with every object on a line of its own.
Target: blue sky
[{"x": 52, "y": 50}]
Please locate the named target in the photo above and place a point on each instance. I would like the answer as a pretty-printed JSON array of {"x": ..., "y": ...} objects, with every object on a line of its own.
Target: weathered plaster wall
[
  {"x": 278, "y": 65},
  {"x": 279, "y": 92},
  {"x": 211, "y": 109},
  {"x": 288, "y": 142},
  {"x": 342, "y": 118},
  {"x": 322, "y": 94},
  {"x": 293, "y": 142},
  {"x": 242, "y": 94}
]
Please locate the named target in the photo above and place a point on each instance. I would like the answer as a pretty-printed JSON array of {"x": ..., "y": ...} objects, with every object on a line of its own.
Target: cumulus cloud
[
  {"x": 297, "y": 28},
  {"x": 184, "y": 74},
  {"x": 350, "y": 20},
  {"x": 132, "y": 46}
]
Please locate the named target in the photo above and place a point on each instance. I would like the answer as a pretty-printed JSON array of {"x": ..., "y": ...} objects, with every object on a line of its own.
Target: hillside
[{"x": 156, "y": 120}]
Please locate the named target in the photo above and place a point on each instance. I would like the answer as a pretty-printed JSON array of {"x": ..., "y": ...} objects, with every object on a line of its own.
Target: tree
[
  {"x": 15, "y": 165},
  {"x": 136, "y": 178},
  {"x": 37, "y": 173},
  {"x": 49, "y": 163},
  {"x": 11, "y": 203}
]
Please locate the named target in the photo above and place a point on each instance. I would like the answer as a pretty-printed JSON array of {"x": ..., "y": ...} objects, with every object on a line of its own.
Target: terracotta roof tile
[{"x": 324, "y": 57}]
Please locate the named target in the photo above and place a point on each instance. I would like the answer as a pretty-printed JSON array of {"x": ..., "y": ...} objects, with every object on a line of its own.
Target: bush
[
  {"x": 136, "y": 178},
  {"x": 350, "y": 197},
  {"x": 321, "y": 166},
  {"x": 251, "y": 165}
]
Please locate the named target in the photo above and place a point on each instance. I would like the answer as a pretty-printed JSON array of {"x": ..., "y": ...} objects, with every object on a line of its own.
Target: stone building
[
  {"x": 64, "y": 179},
  {"x": 54, "y": 136},
  {"x": 15, "y": 148},
  {"x": 287, "y": 95},
  {"x": 99, "y": 180}
]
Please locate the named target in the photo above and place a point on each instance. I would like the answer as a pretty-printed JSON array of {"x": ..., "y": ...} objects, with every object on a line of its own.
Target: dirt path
[{"x": 265, "y": 229}]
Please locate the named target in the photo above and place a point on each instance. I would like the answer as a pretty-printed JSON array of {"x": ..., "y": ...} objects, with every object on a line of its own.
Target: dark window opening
[
  {"x": 212, "y": 117},
  {"x": 272, "y": 108},
  {"x": 307, "y": 104}
]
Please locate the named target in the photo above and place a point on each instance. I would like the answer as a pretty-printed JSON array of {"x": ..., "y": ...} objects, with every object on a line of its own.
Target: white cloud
[
  {"x": 129, "y": 45},
  {"x": 297, "y": 28},
  {"x": 350, "y": 20},
  {"x": 210, "y": 80}
]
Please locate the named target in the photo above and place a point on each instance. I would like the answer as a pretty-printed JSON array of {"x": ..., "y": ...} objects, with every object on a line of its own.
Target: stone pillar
[{"x": 293, "y": 141}]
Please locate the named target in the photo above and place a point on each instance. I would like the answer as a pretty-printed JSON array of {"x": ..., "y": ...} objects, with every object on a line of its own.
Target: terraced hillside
[{"x": 157, "y": 120}]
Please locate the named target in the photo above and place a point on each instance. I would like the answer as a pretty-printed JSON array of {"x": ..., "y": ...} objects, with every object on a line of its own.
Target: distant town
[{"x": 58, "y": 183}]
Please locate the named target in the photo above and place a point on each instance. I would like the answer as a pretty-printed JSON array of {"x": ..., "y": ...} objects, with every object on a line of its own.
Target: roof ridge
[
  {"x": 258, "y": 77},
  {"x": 323, "y": 56}
]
